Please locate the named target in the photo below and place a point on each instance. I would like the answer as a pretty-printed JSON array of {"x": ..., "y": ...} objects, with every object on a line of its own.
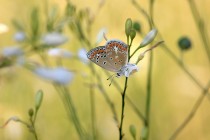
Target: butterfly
[{"x": 112, "y": 57}]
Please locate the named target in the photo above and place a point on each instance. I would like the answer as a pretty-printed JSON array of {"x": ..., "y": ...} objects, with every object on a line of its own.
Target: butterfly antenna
[
  {"x": 112, "y": 78},
  {"x": 105, "y": 36},
  {"x": 111, "y": 81}
]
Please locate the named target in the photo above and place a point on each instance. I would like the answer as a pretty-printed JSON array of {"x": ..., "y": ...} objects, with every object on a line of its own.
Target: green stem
[
  {"x": 151, "y": 13},
  {"x": 201, "y": 27},
  {"x": 123, "y": 108},
  {"x": 71, "y": 111},
  {"x": 33, "y": 129},
  {"x": 30, "y": 126},
  {"x": 191, "y": 114},
  {"x": 133, "y": 106},
  {"x": 67, "y": 101},
  {"x": 93, "y": 115},
  {"x": 134, "y": 52},
  {"x": 144, "y": 13},
  {"x": 74, "y": 114},
  {"x": 172, "y": 55},
  {"x": 148, "y": 98}
]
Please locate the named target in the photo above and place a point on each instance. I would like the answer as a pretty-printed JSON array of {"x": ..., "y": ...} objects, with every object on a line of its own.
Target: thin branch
[
  {"x": 148, "y": 98},
  {"x": 133, "y": 106},
  {"x": 123, "y": 109},
  {"x": 191, "y": 114},
  {"x": 201, "y": 27}
]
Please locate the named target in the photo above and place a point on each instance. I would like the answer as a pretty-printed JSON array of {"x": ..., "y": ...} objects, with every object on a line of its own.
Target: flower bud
[
  {"x": 133, "y": 131},
  {"x": 141, "y": 56},
  {"x": 137, "y": 26},
  {"x": 144, "y": 133},
  {"x": 184, "y": 43},
  {"x": 38, "y": 99},
  {"x": 148, "y": 38},
  {"x": 31, "y": 112},
  {"x": 128, "y": 26},
  {"x": 132, "y": 34},
  {"x": 70, "y": 9}
]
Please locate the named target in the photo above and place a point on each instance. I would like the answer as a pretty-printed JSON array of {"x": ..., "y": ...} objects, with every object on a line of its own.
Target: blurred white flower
[
  {"x": 100, "y": 35},
  {"x": 3, "y": 28},
  {"x": 58, "y": 52},
  {"x": 54, "y": 39},
  {"x": 82, "y": 54},
  {"x": 57, "y": 75},
  {"x": 14, "y": 131},
  {"x": 127, "y": 70},
  {"x": 19, "y": 36},
  {"x": 12, "y": 51}
]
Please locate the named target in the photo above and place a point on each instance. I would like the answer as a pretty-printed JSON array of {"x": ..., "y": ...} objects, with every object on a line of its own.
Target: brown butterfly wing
[
  {"x": 98, "y": 55},
  {"x": 112, "y": 56},
  {"x": 117, "y": 53}
]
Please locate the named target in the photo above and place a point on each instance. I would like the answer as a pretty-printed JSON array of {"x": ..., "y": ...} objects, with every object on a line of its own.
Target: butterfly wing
[
  {"x": 117, "y": 52},
  {"x": 112, "y": 56},
  {"x": 98, "y": 55}
]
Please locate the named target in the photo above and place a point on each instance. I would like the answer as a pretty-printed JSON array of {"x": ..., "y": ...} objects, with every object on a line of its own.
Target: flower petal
[
  {"x": 12, "y": 51},
  {"x": 20, "y": 36},
  {"x": 58, "y": 52},
  {"x": 128, "y": 69},
  {"x": 57, "y": 75},
  {"x": 82, "y": 54},
  {"x": 54, "y": 39}
]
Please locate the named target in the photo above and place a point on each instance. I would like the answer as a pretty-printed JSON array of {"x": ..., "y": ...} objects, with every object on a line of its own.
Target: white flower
[
  {"x": 12, "y": 51},
  {"x": 58, "y": 52},
  {"x": 3, "y": 28},
  {"x": 82, "y": 54},
  {"x": 19, "y": 36},
  {"x": 54, "y": 39},
  {"x": 127, "y": 70},
  {"x": 57, "y": 75},
  {"x": 100, "y": 35}
]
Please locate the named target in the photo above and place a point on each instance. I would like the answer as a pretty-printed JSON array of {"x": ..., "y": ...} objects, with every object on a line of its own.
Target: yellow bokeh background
[{"x": 173, "y": 92}]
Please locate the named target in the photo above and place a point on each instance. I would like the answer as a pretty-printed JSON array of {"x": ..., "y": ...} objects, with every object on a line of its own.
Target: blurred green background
[{"x": 173, "y": 93}]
